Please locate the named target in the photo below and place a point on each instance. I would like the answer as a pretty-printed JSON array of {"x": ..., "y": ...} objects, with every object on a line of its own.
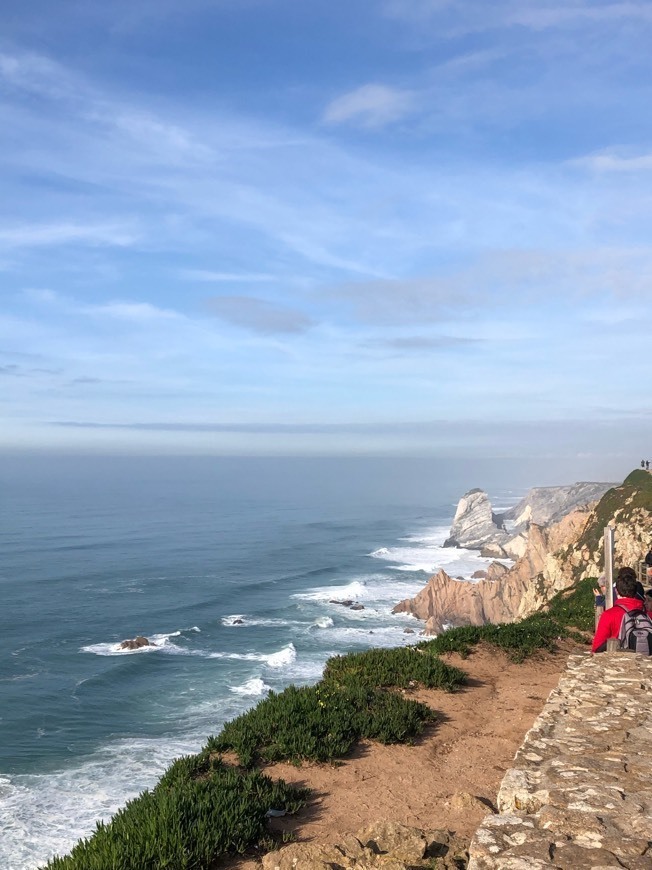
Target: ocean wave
[
  {"x": 282, "y": 658},
  {"x": 376, "y": 636},
  {"x": 354, "y": 590},
  {"x": 241, "y": 619},
  {"x": 323, "y": 622},
  {"x": 431, "y": 557},
  {"x": 253, "y": 687},
  {"x": 45, "y": 814},
  {"x": 279, "y": 659}
]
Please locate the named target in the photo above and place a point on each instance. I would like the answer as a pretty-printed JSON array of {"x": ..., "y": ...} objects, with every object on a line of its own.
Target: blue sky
[{"x": 272, "y": 226}]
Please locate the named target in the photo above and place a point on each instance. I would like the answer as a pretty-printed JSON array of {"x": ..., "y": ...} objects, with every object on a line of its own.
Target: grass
[
  {"x": 569, "y": 613},
  {"x": 618, "y": 504},
  {"x": 401, "y": 667},
  {"x": 200, "y": 810}
]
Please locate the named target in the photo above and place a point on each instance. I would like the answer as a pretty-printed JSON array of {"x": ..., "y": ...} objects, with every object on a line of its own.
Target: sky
[{"x": 287, "y": 227}]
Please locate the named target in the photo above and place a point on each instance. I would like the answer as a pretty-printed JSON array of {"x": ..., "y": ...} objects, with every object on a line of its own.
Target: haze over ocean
[{"x": 98, "y": 550}]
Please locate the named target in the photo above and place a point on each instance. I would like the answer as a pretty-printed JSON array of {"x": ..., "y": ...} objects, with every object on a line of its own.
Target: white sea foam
[
  {"x": 376, "y": 636},
  {"x": 42, "y": 815},
  {"x": 254, "y": 686},
  {"x": 378, "y": 593},
  {"x": 235, "y": 619},
  {"x": 279, "y": 659},
  {"x": 158, "y": 643},
  {"x": 424, "y": 552},
  {"x": 282, "y": 658},
  {"x": 323, "y": 622}
]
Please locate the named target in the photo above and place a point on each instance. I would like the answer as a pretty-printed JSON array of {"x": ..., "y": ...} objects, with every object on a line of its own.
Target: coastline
[
  {"x": 351, "y": 631},
  {"x": 449, "y": 778}
]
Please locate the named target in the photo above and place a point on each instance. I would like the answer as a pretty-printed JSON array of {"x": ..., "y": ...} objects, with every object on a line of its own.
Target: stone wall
[{"x": 579, "y": 795}]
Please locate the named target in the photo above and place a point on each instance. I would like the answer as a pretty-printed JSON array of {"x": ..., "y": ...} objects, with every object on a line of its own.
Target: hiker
[{"x": 611, "y": 621}]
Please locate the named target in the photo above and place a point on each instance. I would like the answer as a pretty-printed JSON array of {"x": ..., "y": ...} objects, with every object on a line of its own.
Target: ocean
[{"x": 230, "y": 567}]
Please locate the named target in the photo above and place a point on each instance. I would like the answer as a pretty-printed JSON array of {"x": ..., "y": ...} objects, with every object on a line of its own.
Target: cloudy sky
[{"x": 380, "y": 226}]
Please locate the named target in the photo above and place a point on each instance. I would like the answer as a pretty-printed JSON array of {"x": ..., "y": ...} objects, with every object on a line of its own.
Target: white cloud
[
  {"x": 138, "y": 312},
  {"x": 370, "y": 106},
  {"x": 613, "y": 162},
  {"x": 557, "y": 16},
  {"x": 477, "y": 15},
  {"x": 225, "y": 277},
  {"x": 37, "y": 235}
]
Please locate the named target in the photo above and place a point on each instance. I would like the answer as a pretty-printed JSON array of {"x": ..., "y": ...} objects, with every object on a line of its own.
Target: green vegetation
[
  {"x": 401, "y": 667},
  {"x": 320, "y": 723},
  {"x": 568, "y": 612},
  {"x": 199, "y": 811},
  {"x": 352, "y": 702},
  {"x": 202, "y": 809},
  {"x": 618, "y": 504}
]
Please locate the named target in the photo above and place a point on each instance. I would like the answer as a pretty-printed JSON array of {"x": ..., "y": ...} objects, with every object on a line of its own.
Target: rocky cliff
[
  {"x": 556, "y": 556},
  {"x": 475, "y": 524},
  {"x": 548, "y": 504},
  {"x": 477, "y": 527}
]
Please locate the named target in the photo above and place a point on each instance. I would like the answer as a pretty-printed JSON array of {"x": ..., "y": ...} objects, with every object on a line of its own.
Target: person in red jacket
[{"x": 609, "y": 624}]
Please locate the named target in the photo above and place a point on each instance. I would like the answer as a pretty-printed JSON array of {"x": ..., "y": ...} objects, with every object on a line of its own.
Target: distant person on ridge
[{"x": 611, "y": 620}]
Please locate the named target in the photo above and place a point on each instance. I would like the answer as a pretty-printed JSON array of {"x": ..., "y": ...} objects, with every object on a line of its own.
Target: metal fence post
[{"x": 612, "y": 643}]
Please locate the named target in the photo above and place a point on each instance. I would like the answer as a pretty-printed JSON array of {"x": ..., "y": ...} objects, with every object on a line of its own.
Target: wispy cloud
[
  {"x": 138, "y": 312},
  {"x": 560, "y": 15},
  {"x": 259, "y": 315},
  {"x": 612, "y": 161},
  {"x": 419, "y": 343},
  {"x": 210, "y": 277},
  {"x": 64, "y": 233},
  {"x": 371, "y": 105},
  {"x": 502, "y": 280},
  {"x": 477, "y": 15}
]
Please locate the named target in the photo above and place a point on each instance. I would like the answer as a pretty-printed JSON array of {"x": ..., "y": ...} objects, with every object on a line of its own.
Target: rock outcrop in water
[
  {"x": 475, "y": 524},
  {"x": 505, "y": 536},
  {"x": 136, "y": 643}
]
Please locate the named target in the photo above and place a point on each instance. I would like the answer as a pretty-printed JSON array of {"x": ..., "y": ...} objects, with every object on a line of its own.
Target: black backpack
[{"x": 635, "y": 633}]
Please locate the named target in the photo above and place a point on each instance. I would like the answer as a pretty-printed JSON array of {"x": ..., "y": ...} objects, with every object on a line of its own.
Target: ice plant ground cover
[{"x": 203, "y": 809}]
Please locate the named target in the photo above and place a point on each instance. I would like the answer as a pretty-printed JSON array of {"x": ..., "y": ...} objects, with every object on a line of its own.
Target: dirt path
[{"x": 469, "y": 750}]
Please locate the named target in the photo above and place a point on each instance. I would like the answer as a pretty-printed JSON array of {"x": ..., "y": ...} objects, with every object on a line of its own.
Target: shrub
[
  {"x": 185, "y": 822},
  {"x": 400, "y": 667},
  {"x": 319, "y": 723}
]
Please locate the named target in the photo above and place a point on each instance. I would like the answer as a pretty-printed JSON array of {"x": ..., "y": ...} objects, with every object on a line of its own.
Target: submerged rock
[{"x": 136, "y": 643}]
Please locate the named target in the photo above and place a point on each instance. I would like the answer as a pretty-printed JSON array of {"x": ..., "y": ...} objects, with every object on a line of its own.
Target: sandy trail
[{"x": 469, "y": 750}]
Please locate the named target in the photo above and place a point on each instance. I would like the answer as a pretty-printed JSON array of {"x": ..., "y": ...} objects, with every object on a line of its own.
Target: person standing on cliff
[{"x": 611, "y": 619}]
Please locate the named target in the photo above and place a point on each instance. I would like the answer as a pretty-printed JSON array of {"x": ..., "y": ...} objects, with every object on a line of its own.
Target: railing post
[
  {"x": 612, "y": 643},
  {"x": 609, "y": 566}
]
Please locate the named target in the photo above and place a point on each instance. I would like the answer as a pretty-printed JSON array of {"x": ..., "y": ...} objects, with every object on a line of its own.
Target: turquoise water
[{"x": 229, "y": 566}]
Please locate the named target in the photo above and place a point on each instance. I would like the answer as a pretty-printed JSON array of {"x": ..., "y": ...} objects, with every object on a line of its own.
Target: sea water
[{"x": 231, "y": 567}]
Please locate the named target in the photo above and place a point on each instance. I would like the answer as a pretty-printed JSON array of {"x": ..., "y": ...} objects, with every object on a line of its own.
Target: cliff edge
[{"x": 556, "y": 556}]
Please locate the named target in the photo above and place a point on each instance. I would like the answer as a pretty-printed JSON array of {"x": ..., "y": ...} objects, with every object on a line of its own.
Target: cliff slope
[{"x": 556, "y": 557}]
